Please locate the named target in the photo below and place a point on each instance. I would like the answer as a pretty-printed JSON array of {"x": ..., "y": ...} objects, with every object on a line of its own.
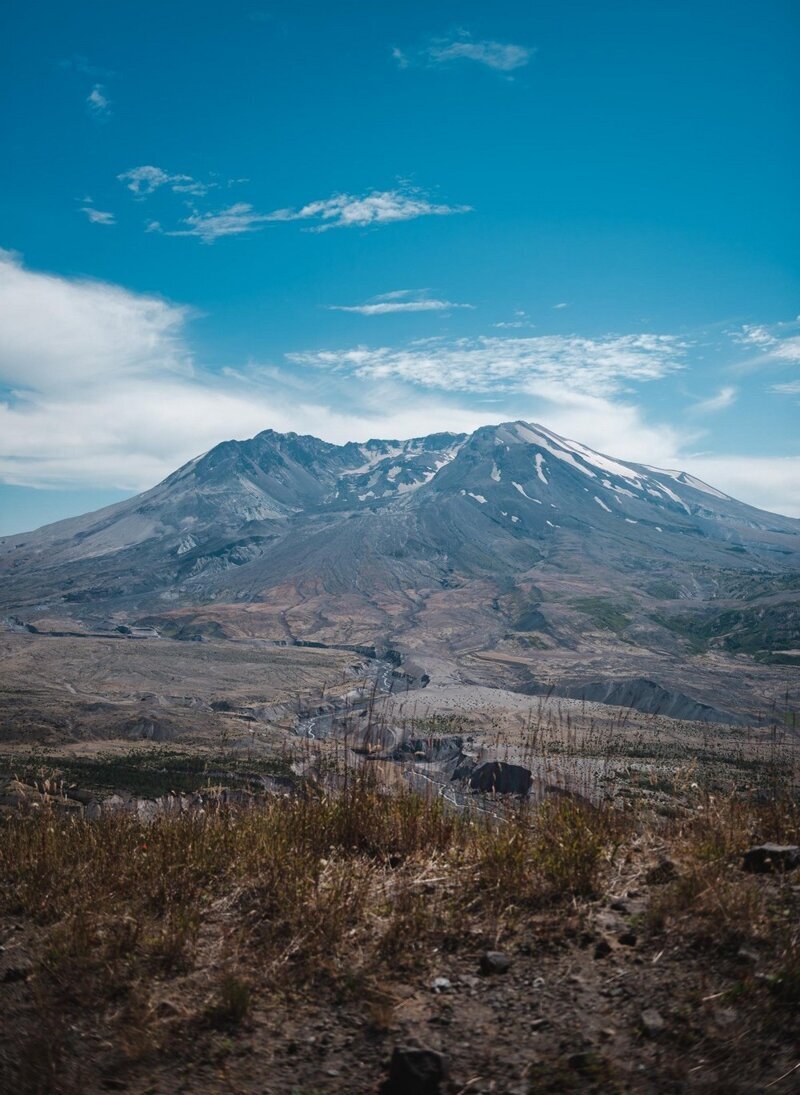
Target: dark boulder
[
  {"x": 502, "y": 778},
  {"x": 771, "y": 857},
  {"x": 415, "y": 1072},
  {"x": 494, "y": 962}
]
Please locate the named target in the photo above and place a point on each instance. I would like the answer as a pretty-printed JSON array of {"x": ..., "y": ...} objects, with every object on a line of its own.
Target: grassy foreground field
[{"x": 292, "y": 946}]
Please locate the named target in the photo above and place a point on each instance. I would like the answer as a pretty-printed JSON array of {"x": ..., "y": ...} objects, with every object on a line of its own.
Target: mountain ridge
[{"x": 509, "y": 551}]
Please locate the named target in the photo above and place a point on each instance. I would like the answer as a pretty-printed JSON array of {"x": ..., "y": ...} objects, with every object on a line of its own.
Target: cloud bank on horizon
[{"x": 110, "y": 393}]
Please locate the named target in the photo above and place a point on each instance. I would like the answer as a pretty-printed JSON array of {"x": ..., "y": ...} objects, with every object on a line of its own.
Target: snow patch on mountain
[{"x": 555, "y": 448}]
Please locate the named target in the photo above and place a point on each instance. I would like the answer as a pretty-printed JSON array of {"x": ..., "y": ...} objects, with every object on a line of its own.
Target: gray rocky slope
[{"x": 511, "y": 540}]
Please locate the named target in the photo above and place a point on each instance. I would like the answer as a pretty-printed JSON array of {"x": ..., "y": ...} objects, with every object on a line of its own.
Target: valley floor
[{"x": 347, "y": 898}]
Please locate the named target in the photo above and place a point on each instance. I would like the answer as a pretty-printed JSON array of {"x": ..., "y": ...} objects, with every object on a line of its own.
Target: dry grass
[
  {"x": 717, "y": 907},
  {"x": 335, "y": 893}
]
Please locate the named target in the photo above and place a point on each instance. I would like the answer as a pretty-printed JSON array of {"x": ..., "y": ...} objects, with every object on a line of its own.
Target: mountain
[{"x": 508, "y": 555}]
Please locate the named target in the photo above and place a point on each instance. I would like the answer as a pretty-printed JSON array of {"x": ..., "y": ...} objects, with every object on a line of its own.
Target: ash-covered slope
[{"x": 505, "y": 540}]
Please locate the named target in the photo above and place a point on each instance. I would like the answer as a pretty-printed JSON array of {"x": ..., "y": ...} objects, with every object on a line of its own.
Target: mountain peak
[{"x": 500, "y": 500}]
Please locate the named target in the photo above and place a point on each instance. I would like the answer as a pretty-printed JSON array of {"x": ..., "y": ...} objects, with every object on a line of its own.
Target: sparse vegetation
[
  {"x": 337, "y": 900},
  {"x": 605, "y": 614},
  {"x": 148, "y": 773}
]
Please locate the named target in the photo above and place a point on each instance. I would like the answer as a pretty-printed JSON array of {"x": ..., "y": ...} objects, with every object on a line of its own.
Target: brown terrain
[{"x": 411, "y": 767}]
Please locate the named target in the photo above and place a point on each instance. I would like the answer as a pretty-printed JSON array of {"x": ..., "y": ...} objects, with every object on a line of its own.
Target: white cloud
[
  {"x": 378, "y": 207},
  {"x": 145, "y": 180},
  {"x": 105, "y": 393},
  {"x": 61, "y": 333},
  {"x": 339, "y": 211},
  {"x": 777, "y": 343},
  {"x": 100, "y": 389},
  {"x": 501, "y": 56},
  {"x": 767, "y": 482},
  {"x": 791, "y": 387},
  {"x": 724, "y": 398},
  {"x": 400, "y": 300},
  {"x": 562, "y": 304},
  {"x": 520, "y": 320},
  {"x": 495, "y": 364},
  {"x": 236, "y": 220},
  {"x": 98, "y": 103},
  {"x": 97, "y": 216}
]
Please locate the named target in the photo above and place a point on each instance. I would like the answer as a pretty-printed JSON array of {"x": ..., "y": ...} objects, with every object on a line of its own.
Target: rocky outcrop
[
  {"x": 765, "y": 858},
  {"x": 641, "y": 694},
  {"x": 432, "y": 750},
  {"x": 499, "y": 777},
  {"x": 147, "y": 728}
]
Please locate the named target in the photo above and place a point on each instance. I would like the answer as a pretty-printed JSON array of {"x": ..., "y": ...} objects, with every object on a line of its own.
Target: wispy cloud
[
  {"x": 236, "y": 220},
  {"x": 145, "y": 180},
  {"x": 724, "y": 398},
  {"x": 791, "y": 387},
  {"x": 339, "y": 211},
  {"x": 779, "y": 342},
  {"x": 78, "y": 63},
  {"x": 98, "y": 216},
  {"x": 497, "y": 364},
  {"x": 400, "y": 300},
  {"x": 500, "y": 56},
  {"x": 377, "y": 207},
  {"x": 98, "y": 103},
  {"x": 520, "y": 321},
  {"x": 561, "y": 305}
]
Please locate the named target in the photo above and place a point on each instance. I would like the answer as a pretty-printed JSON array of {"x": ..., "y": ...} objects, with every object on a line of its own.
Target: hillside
[{"x": 510, "y": 555}]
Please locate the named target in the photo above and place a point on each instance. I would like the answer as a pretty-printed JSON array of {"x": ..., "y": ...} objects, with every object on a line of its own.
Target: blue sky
[{"x": 366, "y": 219}]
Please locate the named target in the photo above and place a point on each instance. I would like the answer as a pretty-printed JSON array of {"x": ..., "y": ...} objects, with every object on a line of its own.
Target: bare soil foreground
[
  {"x": 287, "y": 870},
  {"x": 317, "y": 941}
]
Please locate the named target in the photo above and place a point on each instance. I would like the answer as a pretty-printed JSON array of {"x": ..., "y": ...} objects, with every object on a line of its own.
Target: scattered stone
[
  {"x": 661, "y": 872},
  {"x": 441, "y": 984},
  {"x": 652, "y": 1022},
  {"x": 79, "y": 794},
  {"x": 610, "y": 922},
  {"x": 747, "y": 954},
  {"x": 494, "y": 962},
  {"x": 582, "y": 1062},
  {"x": 415, "y": 1072},
  {"x": 11, "y": 974},
  {"x": 771, "y": 857},
  {"x": 725, "y": 1017},
  {"x": 628, "y": 939},
  {"x": 603, "y": 949}
]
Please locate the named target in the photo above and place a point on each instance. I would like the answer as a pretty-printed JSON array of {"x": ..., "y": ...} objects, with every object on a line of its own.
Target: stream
[{"x": 344, "y": 715}]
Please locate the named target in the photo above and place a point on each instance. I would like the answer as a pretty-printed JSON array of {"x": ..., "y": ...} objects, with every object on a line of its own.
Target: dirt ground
[{"x": 588, "y": 1003}]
